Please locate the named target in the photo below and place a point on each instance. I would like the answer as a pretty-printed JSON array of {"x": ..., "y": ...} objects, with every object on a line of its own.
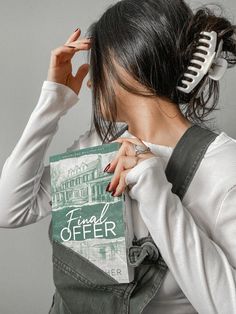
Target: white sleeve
[
  {"x": 25, "y": 181},
  {"x": 204, "y": 268}
]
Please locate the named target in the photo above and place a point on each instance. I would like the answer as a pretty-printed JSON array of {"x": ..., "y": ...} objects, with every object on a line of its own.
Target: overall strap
[
  {"x": 182, "y": 165},
  {"x": 187, "y": 156}
]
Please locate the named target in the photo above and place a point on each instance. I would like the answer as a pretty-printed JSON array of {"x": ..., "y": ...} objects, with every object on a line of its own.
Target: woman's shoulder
[
  {"x": 217, "y": 171},
  {"x": 218, "y": 167},
  {"x": 215, "y": 176},
  {"x": 223, "y": 150}
]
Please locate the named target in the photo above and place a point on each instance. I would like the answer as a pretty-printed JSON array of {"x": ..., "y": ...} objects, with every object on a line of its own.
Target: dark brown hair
[{"x": 154, "y": 42}]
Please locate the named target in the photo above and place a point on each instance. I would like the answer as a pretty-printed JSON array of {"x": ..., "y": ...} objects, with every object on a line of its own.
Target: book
[{"x": 87, "y": 218}]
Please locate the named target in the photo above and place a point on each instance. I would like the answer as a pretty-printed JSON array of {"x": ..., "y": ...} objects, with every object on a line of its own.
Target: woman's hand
[
  {"x": 60, "y": 69},
  {"x": 123, "y": 162}
]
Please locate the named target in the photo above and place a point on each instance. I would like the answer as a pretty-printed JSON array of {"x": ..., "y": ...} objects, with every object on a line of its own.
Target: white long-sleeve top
[{"x": 196, "y": 237}]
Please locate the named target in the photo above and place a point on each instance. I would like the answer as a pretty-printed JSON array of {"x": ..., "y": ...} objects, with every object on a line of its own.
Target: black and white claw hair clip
[{"x": 205, "y": 60}]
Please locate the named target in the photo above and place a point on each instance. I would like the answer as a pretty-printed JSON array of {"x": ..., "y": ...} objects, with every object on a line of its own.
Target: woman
[{"x": 140, "y": 51}]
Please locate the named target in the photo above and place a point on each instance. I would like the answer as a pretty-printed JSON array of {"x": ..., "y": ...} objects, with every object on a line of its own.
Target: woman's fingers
[
  {"x": 127, "y": 148},
  {"x": 60, "y": 54},
  {"x": 76, "y": 43},
  {"x": 120, "y": 188},
  {"x": 73, "y": 36},
  {"x": 60, "y": 67},
  {"x": 81, "y": 73},
  {"x": 64, "y": 53},
  {"x": 124, "y": 163}
]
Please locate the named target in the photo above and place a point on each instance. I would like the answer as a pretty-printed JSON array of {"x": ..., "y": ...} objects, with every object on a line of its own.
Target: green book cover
[{"x": 87, "y": 218}]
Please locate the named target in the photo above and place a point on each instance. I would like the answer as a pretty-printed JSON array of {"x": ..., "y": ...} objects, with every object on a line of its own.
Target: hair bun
[{"x": 206, "y": 19}]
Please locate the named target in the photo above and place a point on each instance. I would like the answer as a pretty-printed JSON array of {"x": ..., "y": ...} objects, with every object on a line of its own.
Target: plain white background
[{"x": 29, "y": 31}]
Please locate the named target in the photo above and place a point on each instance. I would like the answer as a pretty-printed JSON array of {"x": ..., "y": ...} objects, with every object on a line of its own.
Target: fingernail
[
  {"x": 70, "y": 46},
  {"x": 107, "y": 188},
  {"x": 107, "y": 167},
  {"x": 76, "y": 30},
  {"x": 113, "y": 193}
]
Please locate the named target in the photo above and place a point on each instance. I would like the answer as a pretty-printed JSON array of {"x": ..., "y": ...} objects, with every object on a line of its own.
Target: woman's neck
[{"x": 162, "y": 124}]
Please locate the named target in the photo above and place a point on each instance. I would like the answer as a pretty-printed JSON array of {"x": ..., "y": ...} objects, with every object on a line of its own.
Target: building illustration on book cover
[{"x": 85, "y": 217}]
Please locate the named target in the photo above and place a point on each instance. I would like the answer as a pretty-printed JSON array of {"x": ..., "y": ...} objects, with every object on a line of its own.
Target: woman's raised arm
[{"x": 25, "y": 181}]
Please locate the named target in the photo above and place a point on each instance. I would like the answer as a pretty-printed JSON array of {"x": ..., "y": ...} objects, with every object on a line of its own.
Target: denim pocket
[
  {"x": 84, "y": 272},
  {"x": 85, "y": 288}
]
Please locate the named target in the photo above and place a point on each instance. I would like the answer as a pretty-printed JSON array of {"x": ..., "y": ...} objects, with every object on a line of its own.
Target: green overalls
[{"x": 83, "y": 288}]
